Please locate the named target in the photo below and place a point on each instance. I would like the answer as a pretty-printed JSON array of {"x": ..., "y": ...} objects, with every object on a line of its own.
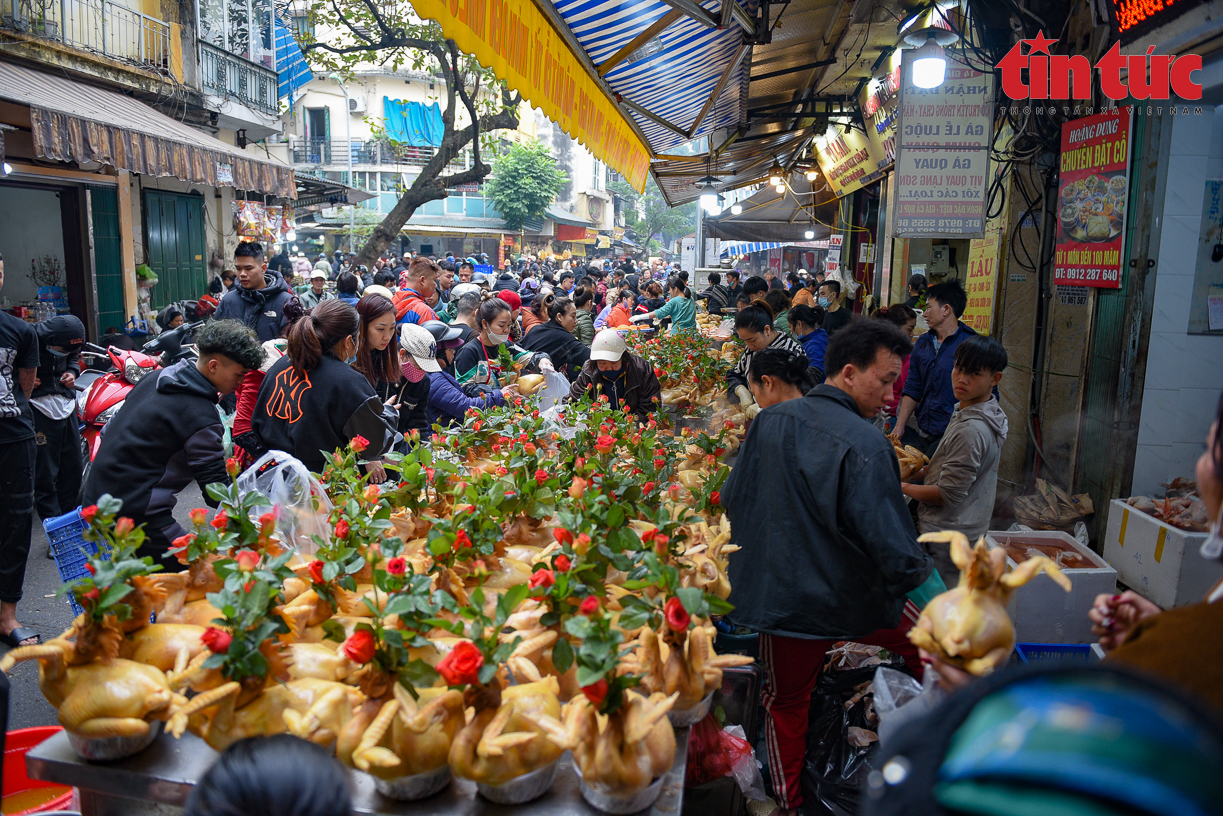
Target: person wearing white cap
[
  {"x": 616, "y": 373},
  {"x": 317, "y": 292},
  {"x": 375, "y": 289},
  {"x": 418, "y": 359}
]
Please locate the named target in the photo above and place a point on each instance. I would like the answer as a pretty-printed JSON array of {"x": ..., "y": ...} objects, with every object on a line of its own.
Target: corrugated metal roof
[{"x": 561, "y": 217}]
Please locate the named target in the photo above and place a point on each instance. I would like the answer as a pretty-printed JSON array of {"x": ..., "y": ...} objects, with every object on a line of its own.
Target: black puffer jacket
[
  {"x": 839, "y": 550},
  {"x": 567, "y": 352},
  {"x": 167, "y": 433},
  {"x": 262, "y": 310},
  {"x": 639, "y": 388}
]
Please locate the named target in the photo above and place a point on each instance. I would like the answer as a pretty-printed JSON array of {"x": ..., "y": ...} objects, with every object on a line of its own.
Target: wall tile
[
  {"x": 1185, "y": 175},
  {"x": 1165, "y": 351},
  {"x": 1183, "y": 459},
  {"x": 1178, "y": 242},
  {"x": 1196, "y": 408},
  {"x": 1150, "y": 468},
  {"x": 1160, "y": 420},
  {"x": 1191, "y": 135}
]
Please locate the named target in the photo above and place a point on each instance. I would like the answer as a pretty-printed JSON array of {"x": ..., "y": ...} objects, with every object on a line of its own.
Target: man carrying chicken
[{"x": 839, "y": 551}]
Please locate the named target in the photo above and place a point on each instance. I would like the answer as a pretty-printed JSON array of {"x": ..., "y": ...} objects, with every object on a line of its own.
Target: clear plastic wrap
[{"x": 300, "y": 502}]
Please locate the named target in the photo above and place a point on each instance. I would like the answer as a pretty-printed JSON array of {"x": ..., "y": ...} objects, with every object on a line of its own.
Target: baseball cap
[
  {"x": 375, "y": 289},
  {"x": 608, "y": 345},
  {"x": 418, "y": 342},
  {"x": 318, "y": 273}
]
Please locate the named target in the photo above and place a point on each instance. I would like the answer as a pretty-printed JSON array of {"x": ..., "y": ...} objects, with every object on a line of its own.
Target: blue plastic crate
[
  {"x": 1050, "y": 652},
  {"x": 71, "y": 551}
]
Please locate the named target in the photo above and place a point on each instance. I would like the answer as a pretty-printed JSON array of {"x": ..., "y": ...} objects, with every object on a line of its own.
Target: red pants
[{"x": 791, "y": 666}]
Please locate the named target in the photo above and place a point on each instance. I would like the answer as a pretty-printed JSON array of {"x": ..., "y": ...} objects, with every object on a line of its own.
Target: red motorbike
[{"x": 102, "y": 393}]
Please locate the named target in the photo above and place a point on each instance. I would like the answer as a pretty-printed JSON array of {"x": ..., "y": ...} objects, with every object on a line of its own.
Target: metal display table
[{"x": 159, "y": 779}]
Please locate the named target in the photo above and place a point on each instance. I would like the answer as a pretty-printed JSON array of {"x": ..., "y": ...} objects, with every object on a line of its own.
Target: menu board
[
  {"x": 981, "y": 282},
  {"x": 1092, "y": 199},
  {"x": 942, "y": 160}
]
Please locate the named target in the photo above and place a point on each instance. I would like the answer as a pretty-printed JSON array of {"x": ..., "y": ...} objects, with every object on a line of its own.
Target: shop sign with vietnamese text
[
  {"x": 981, "y": 284},
  {"x": 1092, "y": 200},
  {"x": 848, "y": 159},
  {"x": 942, "y": 161},
  {"x": 878, "y": 102}
]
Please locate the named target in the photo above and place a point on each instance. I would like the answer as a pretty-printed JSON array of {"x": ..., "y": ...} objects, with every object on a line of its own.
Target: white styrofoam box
[
  {"x": 1158, "y": 561},
  {"x": 1043, "y": 612}
]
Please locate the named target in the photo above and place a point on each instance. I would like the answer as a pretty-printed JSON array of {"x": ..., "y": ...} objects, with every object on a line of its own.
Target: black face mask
[{"x": 58, "y": 360}]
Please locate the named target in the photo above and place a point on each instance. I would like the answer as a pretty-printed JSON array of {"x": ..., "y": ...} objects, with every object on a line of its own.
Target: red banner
[{"x": 1092, "y": 200}]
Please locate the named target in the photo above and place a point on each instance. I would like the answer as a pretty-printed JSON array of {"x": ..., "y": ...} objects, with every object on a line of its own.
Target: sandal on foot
[{"x": 14, "y": 638}]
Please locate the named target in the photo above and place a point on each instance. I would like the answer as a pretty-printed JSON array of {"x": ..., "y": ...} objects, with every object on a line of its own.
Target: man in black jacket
[
  {"x": 260, "y": 296},
  {"x": 168, "y": 432},
  {"x": 57, "y": 464},
  {"x": 840, "y": 551}
]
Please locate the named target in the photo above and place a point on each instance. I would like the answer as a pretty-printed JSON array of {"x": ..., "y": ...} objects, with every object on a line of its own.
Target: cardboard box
[
  {"x": 1158, "y": 561},
  {"x": 1042, "y": 611}
]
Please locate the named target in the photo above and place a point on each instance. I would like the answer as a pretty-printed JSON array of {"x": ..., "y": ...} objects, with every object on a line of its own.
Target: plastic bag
[
  {"x": 900, "y": 698},
  {"x": 554, "y": 422},
  {"x": 556, "y": 388},
  {"x": 301, "y": 504},
  {"x": 715, "y": 752}
]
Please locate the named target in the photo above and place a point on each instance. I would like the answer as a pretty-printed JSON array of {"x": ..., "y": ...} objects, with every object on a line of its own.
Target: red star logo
[{"x": 1040, "y": 43}]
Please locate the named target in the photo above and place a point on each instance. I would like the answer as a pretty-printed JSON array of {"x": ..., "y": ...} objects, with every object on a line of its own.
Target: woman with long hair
[
  {"x": 754, "y": 325},
  {"x": 448, "y": 402},
  {"x": 777, "y": 376},
  {"x": 485, "y": 358},
  {"x": 312, "y": 402},
  {"x": 621, "y": 315},
  {"x": 681, "y": 307},
  {"x": 391, "y": 371},
  {"x": 556, "y": 338}
]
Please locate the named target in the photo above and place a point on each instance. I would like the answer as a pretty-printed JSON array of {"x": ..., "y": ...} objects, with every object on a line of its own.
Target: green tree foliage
[
  {"x": 525, "y": 181},
  {"x": 656, "y": 219}
]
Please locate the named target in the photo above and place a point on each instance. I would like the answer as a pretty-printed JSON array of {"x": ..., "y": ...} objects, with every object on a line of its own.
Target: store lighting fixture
[
  {"x": 295, "y": 247},
  {"x": 781, "y": 189},
  {"x": 775, "y": 173},
  {"x": 929, "y": 64},
  {"x": 709, "y": 197},
  {"x": 735, "y": 209},
  {"x": 812, "y": 174},
  {"x": 809, "y": 234},
  {"x": 290, "y": 236}
]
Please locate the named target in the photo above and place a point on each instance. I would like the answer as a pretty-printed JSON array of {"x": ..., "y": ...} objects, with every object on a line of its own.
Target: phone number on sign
[
  {"x": 945, "y": 224},
  {"x": 1087, "y": 274}
]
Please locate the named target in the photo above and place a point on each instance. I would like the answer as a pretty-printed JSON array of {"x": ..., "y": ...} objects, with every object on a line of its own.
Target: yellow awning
[{"x": 518, "y": 43}]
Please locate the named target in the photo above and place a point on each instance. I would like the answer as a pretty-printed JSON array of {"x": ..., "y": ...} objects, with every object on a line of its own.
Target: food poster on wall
[
  {"x": 942, "y": 153},
  {"x": 981, "y": 282},
  {"x": 848, "y": 159},
  {"x": 878, "y": 102},
  {"x": 1095, "y": 167}
]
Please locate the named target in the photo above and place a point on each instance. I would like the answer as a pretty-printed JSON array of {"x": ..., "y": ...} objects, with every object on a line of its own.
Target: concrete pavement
[{"x": 41, "y": 611}]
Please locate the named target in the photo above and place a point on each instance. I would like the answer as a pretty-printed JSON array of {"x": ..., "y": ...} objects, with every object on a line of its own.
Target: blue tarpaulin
[
  {"x": 292, "y": 66},
  {"x": 413, "y": 123}
]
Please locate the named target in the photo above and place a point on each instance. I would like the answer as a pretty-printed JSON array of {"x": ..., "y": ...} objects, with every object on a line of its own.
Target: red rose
[
  {"x": 660, "y": 544},
  {"x": 316, "y": 571},
  {"x": 91, "y": 569},
  {"x": 562, "y": 563},
  {"x": 605, "y": 428},
  {"x": 360, "y": 644},
  {"x": 461, "y": 540},
  {"x": 562, "y": 535},
  {"x": 579, "y": 463},
  {"x": 233, "y": 467},
  {"x": 461, "y": 667},
  {"x": 605, "y": 443},
  {"x": 220, "y": 520},
  {"x": 247, "y": 560},
  {"x": 522, "y": 437},
  {"x": 396, "y": 566},
  {"x": 504, "y": 440},
  {"x": 124, "y": 526},
  {"x": 342, "y": 528},
  {"x": 578, "y": 488},
  {"x": 715, "y": 497},
  {"x": 496, "y": 448},
  {"x": 542, "y": 578},
  {"x": 358, "y": 444},
  {"x": 648, "y": 487},
  {"x": 659, "y": 464},
  {"x": 371, "y": 493},
  {"x": 658, "y": 372},
  {"x": 649, "y": 534},
  {"x": 677, "y": 617},
  {"x": 596, "y": 692},
  {"x": 582, "y": 544},
  {"x": 90, "y": 598},
  {"x": 673, "y": 490},
  {"x": 541, "y": 476},
  {"x": 88, "y": 513},
  {"x": 589, "y": 606},
  {"x": 501, "y": 471},
  {"x": 217, "y": 640},
  {"x": 529, "y": 449},
  {"x": 267, "y": 521},
  {"x": 479, "y": 423}
]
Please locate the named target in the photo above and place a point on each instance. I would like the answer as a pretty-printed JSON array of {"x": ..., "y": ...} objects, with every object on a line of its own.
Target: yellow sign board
[
  {"x": 517, "y": 43},
  {"x": 848, "y": 159},
  {"x": 981, "y": 284}
]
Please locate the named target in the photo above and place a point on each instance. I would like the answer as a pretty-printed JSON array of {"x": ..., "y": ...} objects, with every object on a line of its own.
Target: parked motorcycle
[{"x": 101, "y": 393}]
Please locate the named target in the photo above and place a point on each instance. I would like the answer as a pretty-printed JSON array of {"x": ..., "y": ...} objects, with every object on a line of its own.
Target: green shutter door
[
  {"x": 174, "y": 239},
  {"x": 107, "y": 257}
]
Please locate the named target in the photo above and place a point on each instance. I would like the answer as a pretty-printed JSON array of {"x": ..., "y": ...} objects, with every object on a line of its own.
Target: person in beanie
[{"x": 57, "y": 435}]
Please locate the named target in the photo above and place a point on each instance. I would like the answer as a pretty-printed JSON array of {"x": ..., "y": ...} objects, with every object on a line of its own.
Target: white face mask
[
  {"x": 1212, "y": 547},
  {"x": 498, "y": 339}
]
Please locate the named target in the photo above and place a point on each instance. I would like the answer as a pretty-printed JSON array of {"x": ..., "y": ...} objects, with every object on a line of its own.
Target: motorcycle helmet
[{"x": 444, "y": 335}]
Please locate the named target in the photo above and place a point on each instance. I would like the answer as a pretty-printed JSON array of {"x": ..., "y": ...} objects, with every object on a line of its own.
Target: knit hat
[{"x": 511, "y": 298}]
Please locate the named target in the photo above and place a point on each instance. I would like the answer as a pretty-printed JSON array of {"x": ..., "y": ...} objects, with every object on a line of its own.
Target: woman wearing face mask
[
  {"x": 557, "y": 338},
  {"x": 395, "y": 379},
  {"x": 312, "y": 401},
  {"x": 754, "y": 325},
  {"x": 448, "y": 403},
  {"x": 1172, "y": 644},
  {"x": 681, "y": 308},
  {"x": 480, "y": 361},
  {"x": 624, "y": 378},
  {"x": 807, "y": 322}
]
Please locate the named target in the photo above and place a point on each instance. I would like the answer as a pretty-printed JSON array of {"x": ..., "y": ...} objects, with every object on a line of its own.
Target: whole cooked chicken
[
  {"x": 501, "y": 742},
  {"x": 968, "y": 626},
  {"x": 621, "y": 753},
  {"x": 104, "y": 698},
  {"x": 398, "y": 736},
  {"x": 689, "y": 668}
]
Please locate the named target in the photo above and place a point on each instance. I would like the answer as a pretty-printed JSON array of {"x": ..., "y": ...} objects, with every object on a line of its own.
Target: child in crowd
[{"x": 962, "y": 477}]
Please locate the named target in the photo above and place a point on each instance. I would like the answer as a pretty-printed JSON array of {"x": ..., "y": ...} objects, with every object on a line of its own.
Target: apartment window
[
  {"x": 241, "y": 27},
  {"x": 594, "y": 182},
  {"x": 302, "y": 26}
]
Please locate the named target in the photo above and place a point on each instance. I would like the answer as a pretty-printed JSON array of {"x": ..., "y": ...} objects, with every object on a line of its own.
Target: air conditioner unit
[{"x": 356, "y": 105}]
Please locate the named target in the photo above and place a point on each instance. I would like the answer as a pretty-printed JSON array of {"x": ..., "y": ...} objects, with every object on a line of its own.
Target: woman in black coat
[{"x": 556, "y": 338}]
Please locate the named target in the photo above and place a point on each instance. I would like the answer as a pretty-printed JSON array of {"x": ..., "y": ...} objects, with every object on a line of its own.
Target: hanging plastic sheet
[{"x": 413, "y": 123}]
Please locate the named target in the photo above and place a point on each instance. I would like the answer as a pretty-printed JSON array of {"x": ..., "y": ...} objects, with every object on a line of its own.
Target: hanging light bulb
[
  {"x": 929, "y": 64},
  {"x": 775, "y": 173},
  {"x": 781, "y": 189},
  {"x": 291, "y": 236},
  {"x": 809, "y": 234},
  {"x": 812, "y": 174},
  {"x": 709, "y": 197},
  {"x": 735, "y": 209}
]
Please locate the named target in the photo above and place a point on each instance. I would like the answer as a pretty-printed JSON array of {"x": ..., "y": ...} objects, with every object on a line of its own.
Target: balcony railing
[
  {"x": 334, "y": 153},
  {"x": 223, "y": 74},
  {"x": 100, "y": 26}
]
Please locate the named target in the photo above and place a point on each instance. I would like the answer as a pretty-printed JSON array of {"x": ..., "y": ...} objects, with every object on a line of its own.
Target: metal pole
[
  {"x": 352, "y": 208},
  {"x": 700, "y": 241}
]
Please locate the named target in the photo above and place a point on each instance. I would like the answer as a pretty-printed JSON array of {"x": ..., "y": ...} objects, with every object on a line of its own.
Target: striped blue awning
[
  {"x": 674, "y": 83},
  {"x": 293, "y": 68},
  {"x": 743, "y": 247}
]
